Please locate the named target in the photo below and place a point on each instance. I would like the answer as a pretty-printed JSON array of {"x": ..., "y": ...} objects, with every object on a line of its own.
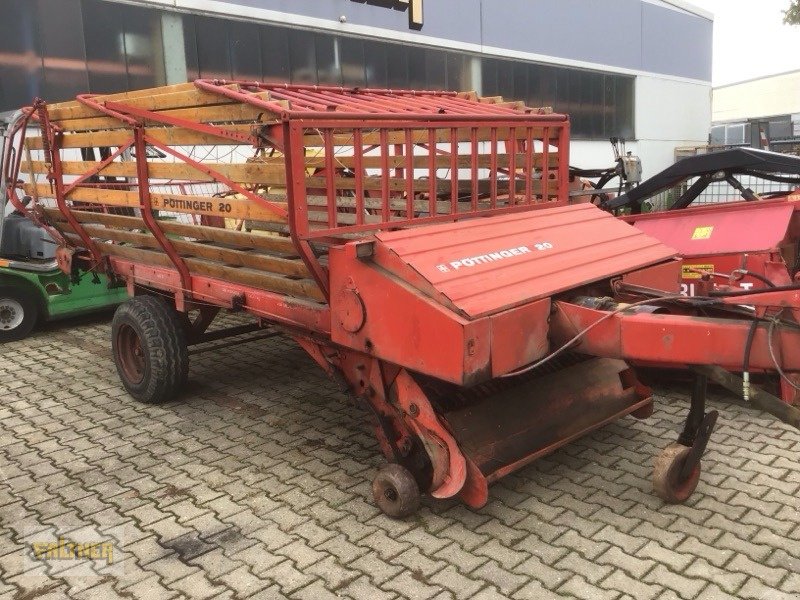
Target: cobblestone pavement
[{"x": 257, "y": 485}]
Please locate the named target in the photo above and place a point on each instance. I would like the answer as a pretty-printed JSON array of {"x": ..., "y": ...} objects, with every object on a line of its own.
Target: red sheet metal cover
[
  {"x": 721, "y": 229},
  {"x": 487, "y": 265}
]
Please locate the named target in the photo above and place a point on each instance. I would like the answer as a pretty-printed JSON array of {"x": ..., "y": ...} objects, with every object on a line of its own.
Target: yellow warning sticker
[
  {"x": 695, "y": 271},
  {"x": 702, "y": 233}
]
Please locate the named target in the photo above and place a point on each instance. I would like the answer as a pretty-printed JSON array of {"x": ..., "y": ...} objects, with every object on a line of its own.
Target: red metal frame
[{"x": 435, "y": 329}]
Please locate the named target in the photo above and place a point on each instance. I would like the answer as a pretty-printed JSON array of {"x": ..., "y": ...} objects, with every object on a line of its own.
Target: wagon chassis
[{"x": 353, "y": 246}]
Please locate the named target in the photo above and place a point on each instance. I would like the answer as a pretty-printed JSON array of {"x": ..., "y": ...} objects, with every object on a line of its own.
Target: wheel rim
[
  {"x": 11, "y": 314},
  {"x": 390, "y": 494},
  {"x": 131, "y": 354}
]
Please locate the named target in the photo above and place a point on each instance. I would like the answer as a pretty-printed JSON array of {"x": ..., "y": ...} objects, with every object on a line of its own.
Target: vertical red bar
[
  {"x": 453, "y": 171},
  {"x": 61, "y": 199},
  {"x": 330, "y": 178},
  {"x": 409, "y": 139},
  {"x": 546, "y": 164},
  {"x": 474, "y": 165},
  {"x": 493, "y": 169},
  {"x": 297, "y": 199},
  {"x": 358, "y": 167},
  {"x": 528, "y": 165},
  {"x": 511, "y": 152},
  {"x": 432, "y": 171},
  {"x": 563, "y": 163},
  {"x": 386, "y": 175},
  {"x": 146, "y": 206}
]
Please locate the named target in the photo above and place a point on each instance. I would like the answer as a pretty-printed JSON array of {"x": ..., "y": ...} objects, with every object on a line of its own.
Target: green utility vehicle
[{"x": 32, "y": 287}]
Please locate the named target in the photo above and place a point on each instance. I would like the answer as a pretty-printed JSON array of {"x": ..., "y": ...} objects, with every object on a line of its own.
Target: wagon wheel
[
  {"x": 667, "y": 481},
  {"x": 396, "y": 491},
  {"x": 150, "y": 350},
  {"x": 19, "y": 311}
]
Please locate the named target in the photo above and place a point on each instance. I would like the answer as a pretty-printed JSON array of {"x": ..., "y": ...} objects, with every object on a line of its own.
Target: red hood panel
[
  {"x": 487, "y": 265},
  {"x": 721, "y": 230}
]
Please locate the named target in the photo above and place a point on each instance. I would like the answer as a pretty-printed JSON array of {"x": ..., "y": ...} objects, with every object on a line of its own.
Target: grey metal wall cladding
[
  {"x": 630, "y": 34},
  {"x": 458, "y": 20},
  {"x": 674, "y": 41},
  {"x": 604, "y": 32}
]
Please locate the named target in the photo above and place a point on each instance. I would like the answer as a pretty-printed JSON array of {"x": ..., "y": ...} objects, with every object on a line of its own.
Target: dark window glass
[
  {"x": 143, "y": 46},
  {"x": 124, "y": 50},
  {"x": 275, "y": 54},
  {"x": 458, "y": 75},
  {"x": 376, "y": 64},
  {"x": 190, "y": 45},
  {"x": 62, "y": 39},
  {"x": 245, "y": 50},
  {"x": 610, "y": 103},
  {"x": 417, "y": 71},
  {"x": 542, "y": 85},
  {"x": 435, "y": 69},
  {"x": 521, "y": 71},
  {"x": 302, "y": 56},
  {"x": 329, "y": 69},
  {"x": 106, "y": 53},
  {"x": 21, "y": 62},
  {"x": 600, "y": 105},
  {"x": 398, "y": 66},
  {"x": 213, "y": 49},
  {"x": 505, "y": 79},
  {"x": 489, "y": 67},
  {"x": 351, "y": 57}
]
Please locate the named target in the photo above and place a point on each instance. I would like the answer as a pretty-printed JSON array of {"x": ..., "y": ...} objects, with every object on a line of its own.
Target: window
[{"x": 59, "y": 48}]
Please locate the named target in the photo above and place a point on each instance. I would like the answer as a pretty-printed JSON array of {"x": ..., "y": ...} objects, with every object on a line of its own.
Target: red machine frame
[{"x": 499, "y": 338}]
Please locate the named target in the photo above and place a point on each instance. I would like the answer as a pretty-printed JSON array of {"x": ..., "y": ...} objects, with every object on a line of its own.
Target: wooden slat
[
  {"x": 228, "y": 256},
  {"x": 302, "y": 288},
  {"x": 173, "y": 136},
  {"x": 400, "y": 205},
  {"x": 220, "y": 113},
  {"x": 442, "y": 162},
  {"x": 239, "y": 172},
  {"x": 156, "y": 100},
  {"x": 272, "y": 243},
  {"x": 443, "y": 186},
  {"x": 230, "y": 208},
  {"x": 272, "y": 173},
  {"x": 170, "y": 136}
]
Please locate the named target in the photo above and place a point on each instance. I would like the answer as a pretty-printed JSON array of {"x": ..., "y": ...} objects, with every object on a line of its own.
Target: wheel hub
[
  {"x": 131, "y": 354},
  {"x": 11, "y": 314}
]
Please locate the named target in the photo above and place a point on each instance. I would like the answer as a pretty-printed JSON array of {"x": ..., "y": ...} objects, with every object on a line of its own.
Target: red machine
[
  {"x": 727, "y": 245},
  {"x": 418, "y": 245}
]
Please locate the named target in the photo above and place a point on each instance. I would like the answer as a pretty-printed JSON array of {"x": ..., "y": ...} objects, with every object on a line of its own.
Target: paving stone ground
[{"x": 257, "y": 485}]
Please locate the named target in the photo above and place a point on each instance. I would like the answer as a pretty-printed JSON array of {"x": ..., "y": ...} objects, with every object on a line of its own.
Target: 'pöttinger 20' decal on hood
[{"x": 482, "y": 259}]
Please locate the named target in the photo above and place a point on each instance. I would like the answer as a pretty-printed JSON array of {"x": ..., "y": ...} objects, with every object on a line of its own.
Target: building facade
[
  {"x": 763, "y": 112},
  {"x": 637, "y": 69}
]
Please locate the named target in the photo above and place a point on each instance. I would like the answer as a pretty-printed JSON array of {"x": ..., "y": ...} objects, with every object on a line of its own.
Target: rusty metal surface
[
  {"x": 513, "y": 427},
  {"x": 488, "y": 265}
]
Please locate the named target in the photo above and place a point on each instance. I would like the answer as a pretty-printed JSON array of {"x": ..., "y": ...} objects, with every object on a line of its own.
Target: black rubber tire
[
  {"x": 158, "y": 372},
  {"x": 26, "y": 300},
  {"x": 396, "y": 491},
  {"x": 666, "y": 475}
]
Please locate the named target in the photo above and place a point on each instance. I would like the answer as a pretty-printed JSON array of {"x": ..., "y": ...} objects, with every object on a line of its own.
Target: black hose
[
  {"x": 748, "y": 346},
  {"x": 761, "y": 278}
]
